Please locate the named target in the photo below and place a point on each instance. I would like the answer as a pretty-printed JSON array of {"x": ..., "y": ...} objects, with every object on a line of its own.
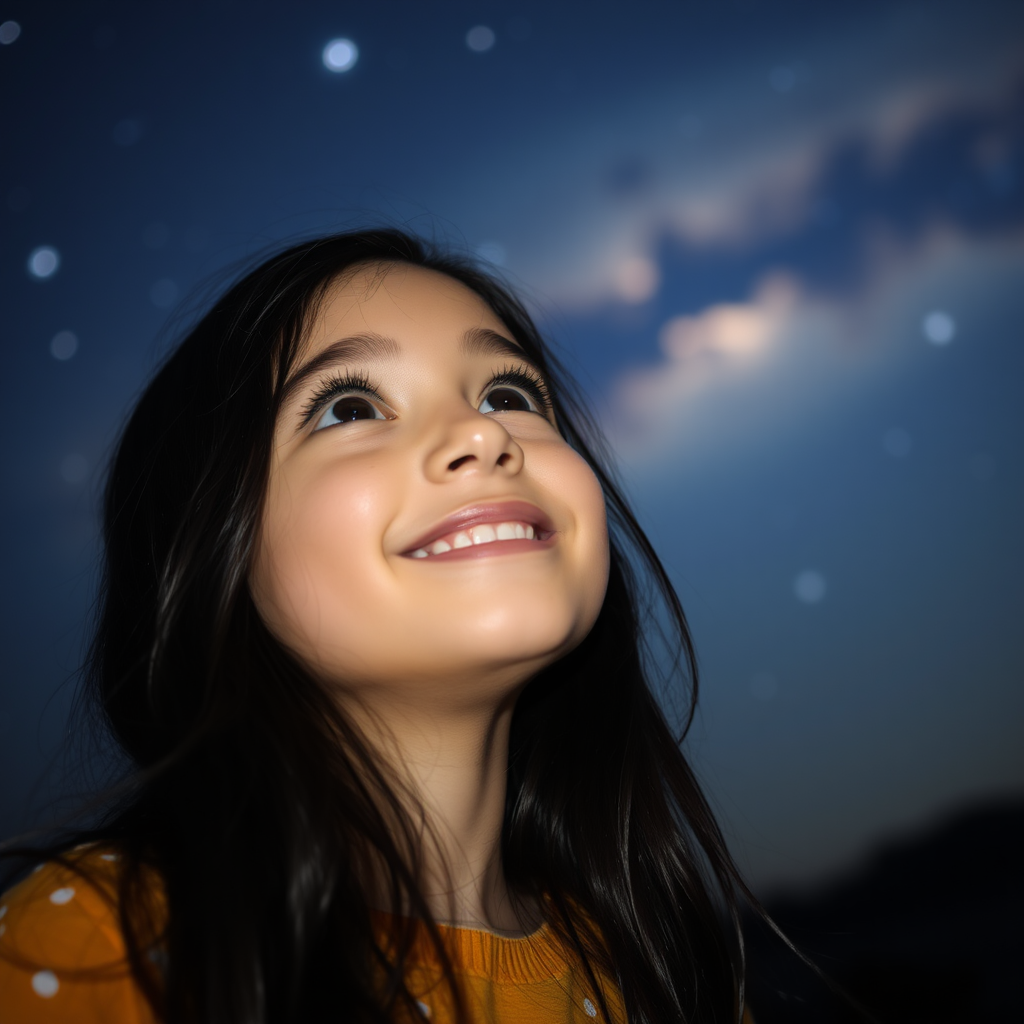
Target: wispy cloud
[
  {"x": 727, "y": 163},
  {"x": 737, "y": 377},
  {"x": 788, "y": 274}
]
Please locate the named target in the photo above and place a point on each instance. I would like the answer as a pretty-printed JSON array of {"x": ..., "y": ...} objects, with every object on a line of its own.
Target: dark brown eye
[
  {"x": 352, "y": 408},
  {"x": 349, "y": 409},
  {"x": 506, "y": 400}
]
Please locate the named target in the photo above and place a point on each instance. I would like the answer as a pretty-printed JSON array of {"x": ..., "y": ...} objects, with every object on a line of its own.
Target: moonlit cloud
[
  {"x": 735, "y": 374},
  {"x": 654, "y": 406},
  {"x": 728, "y": 175},
  {"x": 732, "y": 332},
  {"x": 636, "y": 279}
]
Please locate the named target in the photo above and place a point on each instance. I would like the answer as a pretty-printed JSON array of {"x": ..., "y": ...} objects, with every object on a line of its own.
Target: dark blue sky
[{"x": 782, "y": 244}]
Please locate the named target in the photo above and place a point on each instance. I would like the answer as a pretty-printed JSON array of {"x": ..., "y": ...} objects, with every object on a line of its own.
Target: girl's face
[{"x": 427, "y": 530}]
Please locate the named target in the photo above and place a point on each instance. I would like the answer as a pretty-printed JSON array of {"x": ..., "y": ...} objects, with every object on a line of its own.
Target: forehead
[{"x": 415, "y": 306}]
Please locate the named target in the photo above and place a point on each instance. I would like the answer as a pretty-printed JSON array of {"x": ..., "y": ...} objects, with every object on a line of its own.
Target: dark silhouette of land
[{"x": 930, "y": 930}]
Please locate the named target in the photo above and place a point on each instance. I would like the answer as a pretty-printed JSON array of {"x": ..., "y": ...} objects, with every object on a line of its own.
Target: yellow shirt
[{"x": 62, "y": 958}]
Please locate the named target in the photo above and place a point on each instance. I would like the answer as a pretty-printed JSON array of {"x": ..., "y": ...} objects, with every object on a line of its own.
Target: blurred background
[{"x": 782, "y": 245}]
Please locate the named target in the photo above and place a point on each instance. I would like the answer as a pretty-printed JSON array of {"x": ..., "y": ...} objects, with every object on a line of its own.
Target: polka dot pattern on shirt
[
  {"x": 61, "y": 954},
  {"x": 45, "y": 984},
  {"x": 59, "y": 925}
]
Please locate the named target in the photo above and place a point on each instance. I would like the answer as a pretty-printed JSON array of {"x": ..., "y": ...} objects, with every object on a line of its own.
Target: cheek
[
  {"x": 570, "y": 481},
  {"x": 321, "y": 558},
  {"x": 579, "y": 481}
]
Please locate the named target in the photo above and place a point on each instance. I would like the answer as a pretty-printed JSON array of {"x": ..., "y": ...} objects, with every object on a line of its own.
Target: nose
[{"x": 472, "y": 443}]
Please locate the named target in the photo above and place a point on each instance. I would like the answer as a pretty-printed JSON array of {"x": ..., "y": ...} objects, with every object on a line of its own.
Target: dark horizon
[{"x": 925, "y": 929}]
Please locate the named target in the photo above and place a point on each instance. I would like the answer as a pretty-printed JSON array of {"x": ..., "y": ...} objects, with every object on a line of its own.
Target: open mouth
[
  {"x": 501, "y": 528},
  {"x": 485, "y": 533}
]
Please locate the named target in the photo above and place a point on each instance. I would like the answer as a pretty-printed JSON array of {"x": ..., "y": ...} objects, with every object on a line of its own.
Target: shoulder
[{"x": 62, "y": 952}]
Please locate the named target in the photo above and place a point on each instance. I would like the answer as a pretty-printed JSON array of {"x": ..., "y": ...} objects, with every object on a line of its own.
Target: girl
[{"x": 370, "y": 643}]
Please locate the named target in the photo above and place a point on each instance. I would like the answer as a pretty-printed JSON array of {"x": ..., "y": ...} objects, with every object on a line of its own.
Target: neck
[{"x": 456, "y": 764}]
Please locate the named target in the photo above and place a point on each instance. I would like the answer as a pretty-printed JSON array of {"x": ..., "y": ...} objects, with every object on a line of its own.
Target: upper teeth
[{"x": 485, "y": 533}]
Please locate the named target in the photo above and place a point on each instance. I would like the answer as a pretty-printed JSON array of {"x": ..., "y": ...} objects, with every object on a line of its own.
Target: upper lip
[{"x": 487, "y": 512}]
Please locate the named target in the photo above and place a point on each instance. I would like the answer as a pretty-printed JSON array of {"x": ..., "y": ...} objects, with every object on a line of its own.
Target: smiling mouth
[
  {"x": 476, "y": 536},
  {"x": 491, "y": 528}
]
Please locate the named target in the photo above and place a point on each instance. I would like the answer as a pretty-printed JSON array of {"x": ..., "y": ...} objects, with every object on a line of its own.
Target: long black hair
[{"x": 260, "y": 805}]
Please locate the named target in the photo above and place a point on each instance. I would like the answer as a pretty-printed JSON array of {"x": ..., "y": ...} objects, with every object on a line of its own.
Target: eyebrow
[
  {"x": 484, "y": 341},
  {"x": 354, "y": 349},
  {"x": 371, "y": 346}
]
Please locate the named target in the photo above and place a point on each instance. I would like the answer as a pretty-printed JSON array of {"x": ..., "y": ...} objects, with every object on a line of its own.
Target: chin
[{"x": 534, "y": 636}]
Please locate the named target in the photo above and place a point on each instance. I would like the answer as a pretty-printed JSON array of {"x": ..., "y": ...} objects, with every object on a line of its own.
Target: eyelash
[
  {"x": 334, "y": 387},
  {"x": 509, "y": 376},
  {"x": 525, "y": 379}
]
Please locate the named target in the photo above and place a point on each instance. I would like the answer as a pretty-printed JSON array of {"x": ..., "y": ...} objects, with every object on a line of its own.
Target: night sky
[{"x": 780, "y": 243}]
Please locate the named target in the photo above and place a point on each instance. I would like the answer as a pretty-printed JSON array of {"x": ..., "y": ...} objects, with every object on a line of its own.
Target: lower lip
[{"x": 495, "y": 547}]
